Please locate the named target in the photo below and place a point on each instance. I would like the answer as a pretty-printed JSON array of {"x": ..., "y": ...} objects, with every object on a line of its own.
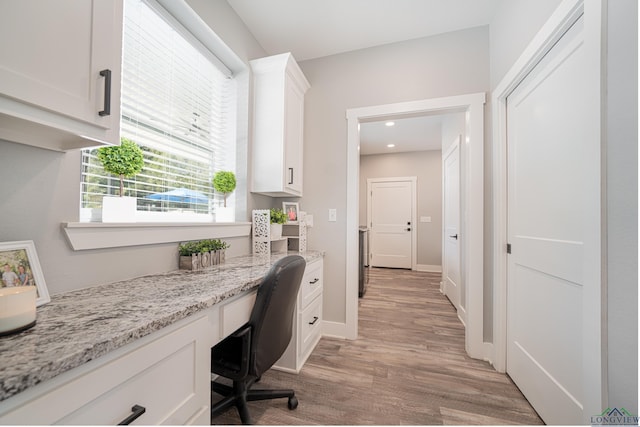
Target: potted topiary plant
[
  {"x": 124, "y": 160},
  {"x": 277, "y": 217},
  {"x": 224, "y": 182}
]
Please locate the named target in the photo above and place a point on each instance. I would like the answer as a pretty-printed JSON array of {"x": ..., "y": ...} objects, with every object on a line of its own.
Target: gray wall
[
  {"x": 40, "y": 189},
  {"x": 427, "y": 167},
  {"x": 622, "y": 204},
  {"x": 450, "y": 64}
]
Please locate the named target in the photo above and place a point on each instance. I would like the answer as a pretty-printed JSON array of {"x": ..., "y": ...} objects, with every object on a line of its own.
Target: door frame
[
  {"x": 472, "y": 150},
  {"x": 594, "y": 308},
  {"x": 414, "y": 199}
]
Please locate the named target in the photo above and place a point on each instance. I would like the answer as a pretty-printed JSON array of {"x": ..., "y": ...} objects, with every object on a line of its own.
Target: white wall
[
  {"x": 512, "y": 28},
  {"x": 427, "y": 167},
  {"x": 40, "y": 189},
  {"x": 450, "y": 64}
]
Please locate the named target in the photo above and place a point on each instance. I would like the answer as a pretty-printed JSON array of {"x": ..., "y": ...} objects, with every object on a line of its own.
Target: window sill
[{"x": 98, "y": 235}]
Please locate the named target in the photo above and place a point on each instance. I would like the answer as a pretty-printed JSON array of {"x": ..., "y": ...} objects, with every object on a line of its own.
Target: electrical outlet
[{"x": 333, "y": 215}]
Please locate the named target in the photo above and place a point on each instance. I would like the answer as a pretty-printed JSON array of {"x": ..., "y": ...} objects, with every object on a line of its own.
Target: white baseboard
[
  {"x": 429, "y": 268},
  {"x": 334, "y": 329}
]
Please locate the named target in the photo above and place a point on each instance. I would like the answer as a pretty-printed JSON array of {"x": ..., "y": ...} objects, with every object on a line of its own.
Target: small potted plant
[
  {"x": 224, "y": 182},
  {"x": 277, "y": 217},
  {"x": 196, "y": 255},
  {"x": 124, "y": 160}
]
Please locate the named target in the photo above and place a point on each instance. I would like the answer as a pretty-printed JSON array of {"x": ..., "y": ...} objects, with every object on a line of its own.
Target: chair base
[{"x": 240, "y": 393}]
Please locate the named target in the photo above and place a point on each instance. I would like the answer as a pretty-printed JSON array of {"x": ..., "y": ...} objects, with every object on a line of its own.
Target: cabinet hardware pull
[
  {"x": 137, "y": 411},
  {"x": 408, "y": 229},
  {"x": 290, "y": 175},
  {"x": 455, "y": 236},
  {"x": 315, "y": 319},
  {"x": 107, "y": 93},
  {"x": 314, "y": 281}
]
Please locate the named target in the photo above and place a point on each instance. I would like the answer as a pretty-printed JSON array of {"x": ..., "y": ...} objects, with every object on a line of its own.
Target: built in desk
[{"x": 97, "y": 355}]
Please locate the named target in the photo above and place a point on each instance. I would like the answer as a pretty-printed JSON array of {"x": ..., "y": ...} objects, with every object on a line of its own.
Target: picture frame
[
  {"x": 291, "y": 209},
  {"x": 21, "y": 259}
]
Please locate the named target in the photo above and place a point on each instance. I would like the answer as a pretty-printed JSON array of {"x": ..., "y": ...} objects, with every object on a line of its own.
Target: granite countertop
[{"x": 82, "y": 325}]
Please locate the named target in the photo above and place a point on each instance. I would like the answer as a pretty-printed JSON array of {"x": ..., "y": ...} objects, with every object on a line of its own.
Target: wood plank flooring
[{"x": 407, "y": 367}]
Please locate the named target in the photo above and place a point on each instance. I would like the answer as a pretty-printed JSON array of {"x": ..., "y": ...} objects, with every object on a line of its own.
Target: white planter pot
[
  {"x": 275, "y": 231},
  {"x": 118, "y": 209},
  {"x": 227, "y": 214}
]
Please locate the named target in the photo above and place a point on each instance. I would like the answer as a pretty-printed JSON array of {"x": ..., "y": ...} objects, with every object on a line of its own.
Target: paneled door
[
  {"x": 451, "y": 278},
  {"x": 553, "y": 158},
  {"x": 391, "y": 221}
]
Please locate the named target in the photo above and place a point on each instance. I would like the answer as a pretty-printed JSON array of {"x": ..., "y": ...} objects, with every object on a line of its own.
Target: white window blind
[{"x": 176, "y": 105}]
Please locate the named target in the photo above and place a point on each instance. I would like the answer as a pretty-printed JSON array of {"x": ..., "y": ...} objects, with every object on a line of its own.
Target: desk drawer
[
  {"x": 311, "y": 285},
  {"x": 310, "y": 321},
  {"x": 165, "y": 376},
  {"x": 236, "y": 312}
]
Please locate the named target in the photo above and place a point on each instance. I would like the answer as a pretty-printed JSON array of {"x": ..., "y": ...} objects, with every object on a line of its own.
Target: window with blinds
[{"x": 177, "y": 104}]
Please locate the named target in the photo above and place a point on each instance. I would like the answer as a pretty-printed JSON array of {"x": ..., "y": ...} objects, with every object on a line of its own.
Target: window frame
[
  {"x": 186, "y": 22},
  {"x": 97, "y": 235}
]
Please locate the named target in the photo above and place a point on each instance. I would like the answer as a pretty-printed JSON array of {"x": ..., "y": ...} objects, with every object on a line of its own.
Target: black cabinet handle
[
  {"x": 315, "y": 319},
  {"x": 107, "y": 93},
  {"x": 455, "y": 236},
  {"x": 290, "y": 175},
  {"x": 137, "y": 411},
  {"x": 314, "y": 281},
  {"x": 408, "y": 229}
]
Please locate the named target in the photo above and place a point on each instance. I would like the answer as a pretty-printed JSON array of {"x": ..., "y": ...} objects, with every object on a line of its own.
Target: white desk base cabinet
[{"x": 307, "y": 327}]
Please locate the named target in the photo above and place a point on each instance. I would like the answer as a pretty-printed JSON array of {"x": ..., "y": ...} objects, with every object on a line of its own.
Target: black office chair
[{"x": 251, "y": 350}]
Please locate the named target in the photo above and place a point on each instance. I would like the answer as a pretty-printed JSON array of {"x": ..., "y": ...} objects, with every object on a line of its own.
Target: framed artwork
[
  {"x": 291, "y": 210},
  {"x": 20, "y": 266}
]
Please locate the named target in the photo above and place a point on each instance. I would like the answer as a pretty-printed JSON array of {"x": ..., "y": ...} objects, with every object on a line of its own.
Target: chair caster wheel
[{"x": 293, "y": 403}]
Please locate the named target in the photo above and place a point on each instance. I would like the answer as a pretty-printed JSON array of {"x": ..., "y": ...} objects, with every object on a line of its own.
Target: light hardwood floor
[{"x": 408, "y": 366}]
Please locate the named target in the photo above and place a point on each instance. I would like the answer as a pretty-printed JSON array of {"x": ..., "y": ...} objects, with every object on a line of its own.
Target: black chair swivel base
[{"x": 240, "y": 394}]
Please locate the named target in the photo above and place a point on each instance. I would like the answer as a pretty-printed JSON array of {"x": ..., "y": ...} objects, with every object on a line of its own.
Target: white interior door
[
  {"x": 391, "y": 222},
  {"x": 550, "y": 211},
  {"x": 451, "y": 277}
]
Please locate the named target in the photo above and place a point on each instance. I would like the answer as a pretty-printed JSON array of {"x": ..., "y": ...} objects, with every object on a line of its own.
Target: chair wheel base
[{"x": 292, "y": 403}]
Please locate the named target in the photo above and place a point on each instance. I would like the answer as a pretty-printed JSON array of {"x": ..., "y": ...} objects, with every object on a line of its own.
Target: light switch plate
[{"x": 333, "y": 215}]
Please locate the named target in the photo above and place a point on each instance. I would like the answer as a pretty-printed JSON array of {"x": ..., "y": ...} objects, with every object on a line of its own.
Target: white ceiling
[
  {"x": 316, "y": 28},
  {"x": 413, "y": 134}
]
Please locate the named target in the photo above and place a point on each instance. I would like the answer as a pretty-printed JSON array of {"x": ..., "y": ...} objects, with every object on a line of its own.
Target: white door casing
[
  {"x": 451, "y": 277},
  {"x": 558, "y": 247},
  {"x": 472, "y": 199},
  {"x": 391, "y": 217}
]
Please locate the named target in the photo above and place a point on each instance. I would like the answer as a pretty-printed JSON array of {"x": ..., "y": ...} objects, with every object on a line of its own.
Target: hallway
[{"x": 408, "y": 366}]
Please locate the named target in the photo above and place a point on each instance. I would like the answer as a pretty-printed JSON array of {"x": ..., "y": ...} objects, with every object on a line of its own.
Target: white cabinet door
[
  {"x": 60, "y": 69},
  {"x": 279, "y": 88},
  {"x": 294, "y": 118}
]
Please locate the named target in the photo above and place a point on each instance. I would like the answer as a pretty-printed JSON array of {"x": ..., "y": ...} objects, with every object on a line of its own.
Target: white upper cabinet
[
  {"x": 279, "y": 88},
  {"x": 60, "y": 72}
]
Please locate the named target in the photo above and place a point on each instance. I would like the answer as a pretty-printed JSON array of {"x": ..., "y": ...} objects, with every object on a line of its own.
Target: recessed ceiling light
[
  {"x": 391, "y": 145},
  {"x": 390, "y": 123}
]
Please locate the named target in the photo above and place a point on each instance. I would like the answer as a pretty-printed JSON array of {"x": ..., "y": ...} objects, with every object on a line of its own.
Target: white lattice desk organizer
[{"x": 295, "y": 233}]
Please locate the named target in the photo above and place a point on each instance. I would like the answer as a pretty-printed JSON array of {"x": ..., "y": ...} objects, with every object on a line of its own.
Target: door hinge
[{"x": 508, "y": 248}]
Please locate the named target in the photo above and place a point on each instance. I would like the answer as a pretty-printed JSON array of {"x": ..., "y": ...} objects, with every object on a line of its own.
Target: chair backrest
[{"x": 272, "y": 315}]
